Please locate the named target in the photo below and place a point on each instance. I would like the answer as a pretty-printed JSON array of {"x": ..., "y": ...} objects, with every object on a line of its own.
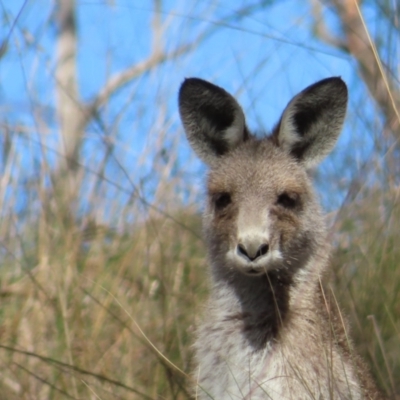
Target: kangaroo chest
[{"x": 232, "y": 364}]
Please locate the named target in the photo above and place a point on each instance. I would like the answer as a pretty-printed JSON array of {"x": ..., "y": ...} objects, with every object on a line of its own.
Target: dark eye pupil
[
  {"x": 222, "y": 200},
  {"x": 286, "y": 200}
]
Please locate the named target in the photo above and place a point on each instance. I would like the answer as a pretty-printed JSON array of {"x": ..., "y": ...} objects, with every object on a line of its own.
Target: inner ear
[
  {"x": 312, "y": 121},
  {"x": 213, "y": 120}
]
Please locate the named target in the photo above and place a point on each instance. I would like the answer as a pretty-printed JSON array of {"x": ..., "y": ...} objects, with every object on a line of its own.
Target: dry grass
[
  {"x": 367, "y": 280},
  {"x": 102, "y": 314}
]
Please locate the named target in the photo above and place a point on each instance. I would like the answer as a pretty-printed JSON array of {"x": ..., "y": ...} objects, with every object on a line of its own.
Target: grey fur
[{"x": 269, "y": 331}]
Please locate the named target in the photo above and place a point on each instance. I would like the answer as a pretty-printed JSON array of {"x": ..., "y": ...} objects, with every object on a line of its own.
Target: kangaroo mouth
[
  {"x": 258, "y": 267},
  {"x": 254, "y": 271}
]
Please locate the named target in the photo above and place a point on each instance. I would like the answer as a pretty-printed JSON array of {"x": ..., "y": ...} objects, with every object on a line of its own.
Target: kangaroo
[{"x": 269, "y": 331}]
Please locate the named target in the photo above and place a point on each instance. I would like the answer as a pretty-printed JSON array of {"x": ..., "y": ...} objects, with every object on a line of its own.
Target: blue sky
[{"x": 264, "y": 59}]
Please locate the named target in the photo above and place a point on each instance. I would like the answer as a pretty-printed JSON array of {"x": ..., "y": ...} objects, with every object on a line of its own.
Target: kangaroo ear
[
  {"x": 312, "y": 121},
  {"x": 213, "y": 120}
]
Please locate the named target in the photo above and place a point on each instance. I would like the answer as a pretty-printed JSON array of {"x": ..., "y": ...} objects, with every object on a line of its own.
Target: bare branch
[
  {"x": 381, "y": 86},
  {"x": 120, "y": 79},
  {"x": 69, "y": 107},
  {"x": 321, "y": 30},
  {"x": 158, "y": 56}
]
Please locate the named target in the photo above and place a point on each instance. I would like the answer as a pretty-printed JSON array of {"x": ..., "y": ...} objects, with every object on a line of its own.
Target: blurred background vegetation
[{"x": 103, "y": 271}]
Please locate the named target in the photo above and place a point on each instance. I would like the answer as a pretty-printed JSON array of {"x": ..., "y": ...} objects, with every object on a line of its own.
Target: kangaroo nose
[{"x": 252, "y": 251}]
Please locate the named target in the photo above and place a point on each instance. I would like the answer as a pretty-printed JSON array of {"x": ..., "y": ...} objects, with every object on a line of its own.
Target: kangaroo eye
[
  {"x": 288, "y": 200},
  {"x": 222, "y": 200}
]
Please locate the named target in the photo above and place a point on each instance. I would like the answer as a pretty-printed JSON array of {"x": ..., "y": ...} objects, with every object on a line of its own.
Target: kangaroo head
[{"x": 262, "y": 213}]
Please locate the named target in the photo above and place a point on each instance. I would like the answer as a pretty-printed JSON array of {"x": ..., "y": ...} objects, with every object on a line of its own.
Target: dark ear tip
[
  {"x": 335, "y": 83},
  {"x": 338, "y": 81},
  {"x": 190, "y": 81},
  {"x": 193, "y": 83},
  {"x": 187, "y": 82},
  {"x": 196, "y": 90},
  {"x": 189, "y": 85},
  {"x": 333, "y": 80},
  {"x": 333, "y": 87}
]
